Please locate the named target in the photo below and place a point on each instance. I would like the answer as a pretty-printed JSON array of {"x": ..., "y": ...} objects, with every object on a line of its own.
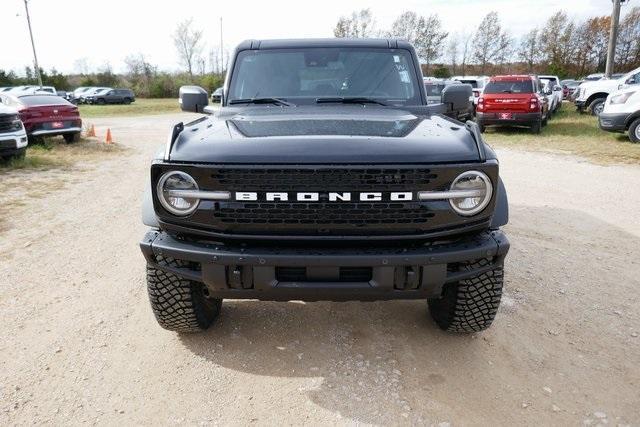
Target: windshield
[
  {"x": 37, "y": 100},
  {"x": 509, "y": 87},
  {"x": 306, "y": 74}
]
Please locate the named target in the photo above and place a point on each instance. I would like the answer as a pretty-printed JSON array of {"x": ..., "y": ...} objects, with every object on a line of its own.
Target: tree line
[{"x": 561, "y": 46}]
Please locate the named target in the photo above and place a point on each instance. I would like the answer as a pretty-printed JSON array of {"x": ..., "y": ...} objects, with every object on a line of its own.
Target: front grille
[
  {"x": 352, "y": 214},
  {"x": 387, "y": 179},
  {"x": 325, "y": 218},
  {"x": 7, "y": 123}
]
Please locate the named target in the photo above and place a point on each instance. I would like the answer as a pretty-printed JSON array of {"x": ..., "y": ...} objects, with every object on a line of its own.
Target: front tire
[
  {"x": 596, "y": 106},
  {"x": 18, "y": 155},
  {"x": 178, "y": 304},
  {"x": 469, "y": 305},
  {"x": 634, "y": 131},
  {"x": 536, "y": 127},
  {"x": 70, "y": 138}
]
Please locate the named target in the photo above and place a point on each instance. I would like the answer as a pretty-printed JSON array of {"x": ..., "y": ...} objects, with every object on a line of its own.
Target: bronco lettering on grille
[{"x": 371, "y": 196}]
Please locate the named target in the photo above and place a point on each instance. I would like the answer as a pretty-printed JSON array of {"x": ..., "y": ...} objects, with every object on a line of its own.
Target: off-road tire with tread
[
  {"x": 469, "y": 305},
  {"x": 634, "y": 131},
  {"x": 178, "y": 304}
]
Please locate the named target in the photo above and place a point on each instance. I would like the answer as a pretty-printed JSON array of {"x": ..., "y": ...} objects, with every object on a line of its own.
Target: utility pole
[
  {"x": 221, "y": 49},
  {"x": 613, "y": 37},
  {"x": 33, "y": 45}
]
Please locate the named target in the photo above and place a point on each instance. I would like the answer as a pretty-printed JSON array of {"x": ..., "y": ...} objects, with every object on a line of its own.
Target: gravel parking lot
[{"x": 79, "y": 343}]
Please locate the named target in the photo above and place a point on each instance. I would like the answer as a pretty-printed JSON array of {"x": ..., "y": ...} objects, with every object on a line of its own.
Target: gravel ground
[{"x": 79, "y": 343}]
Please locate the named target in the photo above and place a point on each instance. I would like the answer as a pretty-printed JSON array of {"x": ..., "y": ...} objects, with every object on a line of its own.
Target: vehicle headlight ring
[
  {"x": 168, "y": 189},
  {"x": 478, "y": 190}
]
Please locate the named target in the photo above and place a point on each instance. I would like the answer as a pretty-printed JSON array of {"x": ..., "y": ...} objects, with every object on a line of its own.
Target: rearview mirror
[
  {"x": 193, "y": 99},
  {"x": 456, "y": 97}
]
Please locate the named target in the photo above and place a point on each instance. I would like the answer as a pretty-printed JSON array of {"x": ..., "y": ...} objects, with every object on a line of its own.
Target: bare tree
[
  {"x": 452, "y": 51},
  {"x": 359, "y": 25},
  {"x": 529, "y": 51},
  {"x": 466, "y": 50},
  {"x": 555, "y": 42},
  {"x": 188, "y": 44},
  {"x": 628, "y": 46},
  {"x": 490, "y": 42},
  {"x": 425, "y": 34}
]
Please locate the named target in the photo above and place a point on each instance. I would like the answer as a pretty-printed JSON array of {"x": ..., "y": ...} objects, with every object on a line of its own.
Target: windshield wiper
[
  {"x": 276, "y": 101},
  {"x": 352, "y": 100}
]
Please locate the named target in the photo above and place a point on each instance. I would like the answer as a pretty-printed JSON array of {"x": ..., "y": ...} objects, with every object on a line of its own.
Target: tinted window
[
  {"x": 306, "y": 74},
  {"x": 33, "y": 101},
  {"x": 473, "y": 83},
  {"x": 434, "y": 90},
  {"x": 509, "y": 87}
]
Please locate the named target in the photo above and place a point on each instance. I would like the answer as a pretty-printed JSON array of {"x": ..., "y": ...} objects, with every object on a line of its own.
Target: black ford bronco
[{"x": 325, "y": 175}]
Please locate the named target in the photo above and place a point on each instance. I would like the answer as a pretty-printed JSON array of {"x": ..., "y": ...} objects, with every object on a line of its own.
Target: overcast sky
[{"x": 105, "y": 31}]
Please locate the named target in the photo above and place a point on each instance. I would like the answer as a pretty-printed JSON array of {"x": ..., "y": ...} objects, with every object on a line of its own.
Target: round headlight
[
  {"x": 169, "y": 188},
  {"x": 477, "y": 190}
]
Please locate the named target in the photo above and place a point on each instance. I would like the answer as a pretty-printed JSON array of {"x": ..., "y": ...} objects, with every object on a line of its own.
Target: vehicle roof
[
  {"x": 512, "y": 77},
  {"x": 327, "y": 42},
  {"x": 469, "y": 77}
]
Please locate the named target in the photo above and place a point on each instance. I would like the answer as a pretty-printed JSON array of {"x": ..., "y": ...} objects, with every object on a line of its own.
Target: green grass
[
  {"x": 56, "y": 153},
  {"x": 140, "y": 107},
  {"x": 572, "y": 133}
]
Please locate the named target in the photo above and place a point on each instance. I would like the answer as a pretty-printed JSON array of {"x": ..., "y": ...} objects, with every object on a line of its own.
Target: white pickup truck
[{"x": 591, "y": 96}]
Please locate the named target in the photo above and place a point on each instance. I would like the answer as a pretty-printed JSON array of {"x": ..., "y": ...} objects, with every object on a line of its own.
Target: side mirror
[
  {"x": 193, "y": 99},
  {"x": 457, "y": 97},
  {"x": 548, "y": 91},
  {"x": 557, "y": 88},
  {"x": 631, "y": 81}
]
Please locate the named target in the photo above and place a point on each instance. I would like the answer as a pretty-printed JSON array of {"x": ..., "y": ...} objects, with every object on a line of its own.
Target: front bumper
[
  {"x": 613, "y": 122},
  {"x": 12, "y": 143},
  {"x": 518, "y": 119},
  {"x": 265, "y": 273}
]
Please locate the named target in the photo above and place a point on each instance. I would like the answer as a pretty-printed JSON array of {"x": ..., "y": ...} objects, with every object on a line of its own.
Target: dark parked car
[
  {"x": 216, "y": 96},
  {"x": 46, "y": 115},
  {"x": 337, "y": 182},
  {"x": 111, "y": 96}
]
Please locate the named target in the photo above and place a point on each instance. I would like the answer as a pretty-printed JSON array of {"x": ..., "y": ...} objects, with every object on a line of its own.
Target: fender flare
[
  {"x": 149, "y": 217},
  {"x": 501, "y": 212}
]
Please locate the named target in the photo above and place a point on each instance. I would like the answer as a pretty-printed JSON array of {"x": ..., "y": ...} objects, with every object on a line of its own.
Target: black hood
[{"x": 323, "y": 135}]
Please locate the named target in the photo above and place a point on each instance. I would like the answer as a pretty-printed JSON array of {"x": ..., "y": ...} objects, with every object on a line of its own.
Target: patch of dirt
[{"x": 79, "y": 343}]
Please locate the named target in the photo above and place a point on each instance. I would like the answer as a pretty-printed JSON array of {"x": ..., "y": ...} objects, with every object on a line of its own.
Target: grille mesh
[
  {"x": 355, "y": 214},
  {"x": 282, "y": 179}
]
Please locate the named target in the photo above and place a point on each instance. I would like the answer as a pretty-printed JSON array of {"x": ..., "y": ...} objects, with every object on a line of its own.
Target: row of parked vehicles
[
  {"x": 509, "y": 100},
  {"x": 81, "y": 95},
  {"x": 530, "y": 101},
  {"x": 28, "y": 116}
]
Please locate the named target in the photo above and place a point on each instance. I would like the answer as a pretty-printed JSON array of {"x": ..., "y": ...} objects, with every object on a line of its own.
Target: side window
[{"x": 635, "y": 79}]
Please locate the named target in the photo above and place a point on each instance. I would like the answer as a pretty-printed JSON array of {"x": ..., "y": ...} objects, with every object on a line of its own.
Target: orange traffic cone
[
  {"x": 108, "y": 140},
  {"x": 92, "y": 131}
]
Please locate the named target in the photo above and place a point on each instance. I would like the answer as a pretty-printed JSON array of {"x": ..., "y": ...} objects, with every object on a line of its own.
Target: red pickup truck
[{"x": 514, "y": 100}]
